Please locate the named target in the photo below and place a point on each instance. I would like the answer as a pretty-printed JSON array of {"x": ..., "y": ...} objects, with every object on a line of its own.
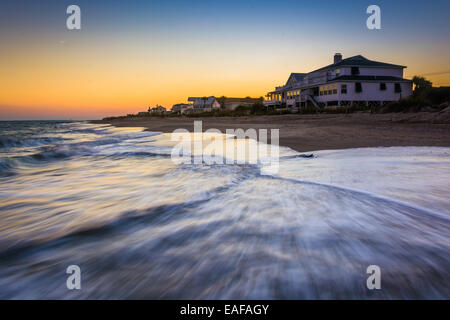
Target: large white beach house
[{"x": 350, "y": 81}]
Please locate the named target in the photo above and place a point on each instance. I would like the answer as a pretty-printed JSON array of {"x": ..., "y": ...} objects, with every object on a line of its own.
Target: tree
[
  {"x": 222, "y": 100},
  {"x": 421, "y": 84}
]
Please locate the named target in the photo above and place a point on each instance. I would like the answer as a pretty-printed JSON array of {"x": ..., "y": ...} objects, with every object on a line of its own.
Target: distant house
[
  {"x": 233, "y": 103},
  {"x": 354, "y": 80},
  {"x": 204, "y": 104},
  {"x": 181, "y": 108},
  {"x": 157, "y": 110},
  {"x": 143, "y": 113}
]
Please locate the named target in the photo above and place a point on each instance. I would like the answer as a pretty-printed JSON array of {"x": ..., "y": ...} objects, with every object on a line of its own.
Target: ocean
[{"x": 111, "y": 201}]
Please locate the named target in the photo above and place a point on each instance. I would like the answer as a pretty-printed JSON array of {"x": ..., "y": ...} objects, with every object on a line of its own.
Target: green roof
[
  {"x": 368, "y": 78},
  {"x": 359, "y": 61}
]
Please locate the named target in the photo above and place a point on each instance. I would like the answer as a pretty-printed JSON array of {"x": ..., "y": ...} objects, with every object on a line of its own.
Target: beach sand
[{"x": 322, "y": 131}]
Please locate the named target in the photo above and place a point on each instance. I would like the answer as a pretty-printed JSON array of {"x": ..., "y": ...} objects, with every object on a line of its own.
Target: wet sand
[{"x": 323, "y": 131}]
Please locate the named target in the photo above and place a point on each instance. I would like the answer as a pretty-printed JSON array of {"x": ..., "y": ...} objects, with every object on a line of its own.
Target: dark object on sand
[
  {"x": 310, "y": 155},
  {"x": 305, "y": 155}
]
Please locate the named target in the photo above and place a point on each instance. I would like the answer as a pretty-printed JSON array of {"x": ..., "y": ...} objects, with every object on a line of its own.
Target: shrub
[
  {"x": 258, "y": 108},
  {"x": 411, "y": 104},
  {"x": 242, "y": 109},
  {"x": 308, "y": 110},
  {"x": 438, "y": 95}
]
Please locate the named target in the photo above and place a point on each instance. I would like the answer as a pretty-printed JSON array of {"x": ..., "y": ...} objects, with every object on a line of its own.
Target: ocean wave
[
  {"x": 359, "y": 193},
  {"x": 290, "y": 253},
  {"x": 127, "y": 220},
  {"x": 142, "y": 226},
  {"x": 7, "y": 167},
  {"x": 127, "y": 154},
  {"x": 9, "y": 142}
]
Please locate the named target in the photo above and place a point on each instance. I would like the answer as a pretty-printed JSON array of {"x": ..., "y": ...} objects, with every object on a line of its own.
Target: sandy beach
[{"x": 323, "y": 131}]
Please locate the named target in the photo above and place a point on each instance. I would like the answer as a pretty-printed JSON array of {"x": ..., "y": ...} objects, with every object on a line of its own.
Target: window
[
  {"x": 335, "y": 89},
  {"x": 355, "y": 70},
  {"x": 398, "y": 88},
  {"x": 343, "y": 89},
  {"x": 338, "y": 72},
  {"x": 382, "y": 86},
  {"x": 330, "y": 90},
  {"x": 358, "y": 87},
  {"x": 325, "y": 90}
]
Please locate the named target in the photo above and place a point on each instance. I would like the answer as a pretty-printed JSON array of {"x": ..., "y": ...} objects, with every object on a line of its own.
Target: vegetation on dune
[
  {"x": 240, "y": 111},
  {"x": 425, "y": 97}
]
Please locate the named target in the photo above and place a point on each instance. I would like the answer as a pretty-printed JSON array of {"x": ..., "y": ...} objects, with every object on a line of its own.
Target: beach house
[
  {"x": 355, "y": 80},
  {"x": 204, "y": 104},
  {"x": 157, "y": 110},
  {"x": 232, "y": 103},
  {"x": 182, "y": 108}
]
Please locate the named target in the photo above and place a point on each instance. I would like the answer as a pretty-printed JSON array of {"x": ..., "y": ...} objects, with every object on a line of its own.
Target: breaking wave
[{"x": 141, "y": 226}]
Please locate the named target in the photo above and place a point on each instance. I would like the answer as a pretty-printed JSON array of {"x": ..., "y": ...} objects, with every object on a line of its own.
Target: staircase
[{"x": 314, "y": 102}]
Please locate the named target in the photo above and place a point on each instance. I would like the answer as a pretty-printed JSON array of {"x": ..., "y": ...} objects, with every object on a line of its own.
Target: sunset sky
[{"x": 130, "y": 55}]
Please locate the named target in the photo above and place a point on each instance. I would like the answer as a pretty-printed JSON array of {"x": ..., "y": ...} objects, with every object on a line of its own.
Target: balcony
[{"x": 318, "y": 79}]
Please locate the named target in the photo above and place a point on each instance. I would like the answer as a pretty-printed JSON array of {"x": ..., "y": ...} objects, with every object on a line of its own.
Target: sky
[{"x": 132, "y": 54}]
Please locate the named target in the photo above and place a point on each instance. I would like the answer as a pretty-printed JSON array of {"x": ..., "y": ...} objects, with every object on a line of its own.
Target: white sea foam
[{"x": 140, "y": 226}]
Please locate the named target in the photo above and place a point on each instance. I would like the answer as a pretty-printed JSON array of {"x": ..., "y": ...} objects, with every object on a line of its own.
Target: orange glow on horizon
[{"x": 61, "y": 80}]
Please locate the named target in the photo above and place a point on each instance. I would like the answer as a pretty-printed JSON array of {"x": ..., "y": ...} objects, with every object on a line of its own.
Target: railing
[
  {"x": 294, "y": 99},
  {"x": 318, "y": 79},
  {"x": 270, "y": 102},
  {"x": 304, "y": 97},
  {"x": 308, "y": 81}
]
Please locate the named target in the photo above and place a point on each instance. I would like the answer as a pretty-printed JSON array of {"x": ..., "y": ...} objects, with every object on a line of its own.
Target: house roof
[
  {"x": 298, "y": 76},
  {"x": 230, "y": 100},
  {"x": 368, "y": 78},
  {"x": 202, "y": 100},
  {"x": 359, "y": 61},
  {"x": 181, "y": 104}
]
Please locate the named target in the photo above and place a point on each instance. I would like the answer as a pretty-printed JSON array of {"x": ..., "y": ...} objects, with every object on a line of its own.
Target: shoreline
[{"x": 306, "y": 133}]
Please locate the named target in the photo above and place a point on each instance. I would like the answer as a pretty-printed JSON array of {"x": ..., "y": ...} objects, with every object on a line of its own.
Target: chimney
[{"x": 337, "y": 58}]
